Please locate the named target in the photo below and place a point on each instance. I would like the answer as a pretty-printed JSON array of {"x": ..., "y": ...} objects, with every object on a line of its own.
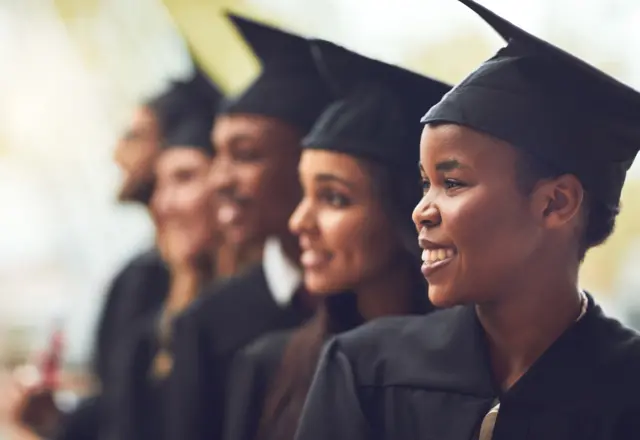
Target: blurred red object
[{"x": 51, "y": 362}]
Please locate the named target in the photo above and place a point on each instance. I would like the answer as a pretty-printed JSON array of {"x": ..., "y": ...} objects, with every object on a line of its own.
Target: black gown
[
  {"x": 135, "y": 404},
  {"x": 138, "y": 289},
  {"x": 231, "y": 314},
  {"x": 255, "y": 367},
  {"x": 428, "y": 378},
  {"x": 251, "y": 373}
]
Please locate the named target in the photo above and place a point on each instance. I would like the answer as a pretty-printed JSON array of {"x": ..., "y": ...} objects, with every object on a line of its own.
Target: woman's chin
[
  {"x": 320, "y": 286},
  {"x": 443, "y": 298}
]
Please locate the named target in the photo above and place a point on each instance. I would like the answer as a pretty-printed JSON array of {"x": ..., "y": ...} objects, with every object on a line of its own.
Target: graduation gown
[
  {"x": 230, "y": 315},
  {"x": 138, "y": 289},
  {"x": 136, "y": 402},
  {"x": 255, "y": 367},
  {"x": 251, "y": 374},
  {"x": 429, "y": 378}
]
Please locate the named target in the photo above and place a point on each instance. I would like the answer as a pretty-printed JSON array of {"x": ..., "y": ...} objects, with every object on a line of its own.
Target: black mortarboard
[
  {"x": 551, "y": 104},
  {"x": 289, "y": 87},
  {"x": 376, "y": 109},
  {"x": 197, "y": 96},
  {"x": 185, "y": 112},
  {"x": 193, "y": 132}
]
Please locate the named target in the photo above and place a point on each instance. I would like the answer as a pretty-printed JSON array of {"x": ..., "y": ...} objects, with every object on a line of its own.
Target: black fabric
[
  {"x": 228, "y": 316},
  {"x": 136, "y": 402},
  {"x": 82, "y": 422},
  {"x": 251, "y": 373},
  {"x": 255, "y": 367},
  {"x": 551, "y": 104},
  {"x": 139, "y": 288},
  {"x": 376, "y": 108},
  {"x": 185, "y": 112},
  {"x": 289, "y": 87},
  {"x": 197, "y": 93},
  {"x": 429, "y": 378},
  {"x": 194, "y": 132}
]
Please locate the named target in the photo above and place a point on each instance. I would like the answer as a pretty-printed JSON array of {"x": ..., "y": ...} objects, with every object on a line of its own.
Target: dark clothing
[
  {"x": 255, "y": 368},
  {"x": 228, "y": 316},
  {"x": 430, "y": 378},
  {"x": 251, "y": 374},
  {"x": 81, "y": 423},
  {"x": 137, "y": 400},
  {"x": 139, "y": 288}
]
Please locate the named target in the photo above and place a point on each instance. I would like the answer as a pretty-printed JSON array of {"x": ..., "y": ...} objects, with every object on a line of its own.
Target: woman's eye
[
  {"x": 335, "y": 199},
  {"x": 425, "y": 185},
  {"x": 451, "y": 183}
]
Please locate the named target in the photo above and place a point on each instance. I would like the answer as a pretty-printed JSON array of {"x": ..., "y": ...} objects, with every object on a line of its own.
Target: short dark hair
[{"x": 600, "y": 218}]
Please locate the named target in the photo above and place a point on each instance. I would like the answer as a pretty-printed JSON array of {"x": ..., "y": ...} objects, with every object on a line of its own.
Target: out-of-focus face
[
  {"x": 135, "y": 154},
  {"x": 346, "y": 238},
  {"x": 181, "y": 205},
  {"x": 254, "y": 177}
]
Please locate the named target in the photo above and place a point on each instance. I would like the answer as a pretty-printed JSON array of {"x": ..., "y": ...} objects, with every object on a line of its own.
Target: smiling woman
[
  {"x": 522, "y": 165},
  {"x": 359, "y": 249}
]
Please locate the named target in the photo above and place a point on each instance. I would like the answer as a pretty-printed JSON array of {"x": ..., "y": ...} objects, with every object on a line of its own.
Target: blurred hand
[{"x": 27, "y": 410}]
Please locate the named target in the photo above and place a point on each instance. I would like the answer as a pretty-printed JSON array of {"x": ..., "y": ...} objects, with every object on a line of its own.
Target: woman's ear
[{"x": 558, "y": 201}]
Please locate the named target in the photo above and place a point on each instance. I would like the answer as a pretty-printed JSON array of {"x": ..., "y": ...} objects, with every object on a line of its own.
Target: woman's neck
[
  {"x": 232, "y": 259},
  {"x": 185, "y": 286},
  {"x": 520, "y": 327},
  {"x": 390, "y": 293}
]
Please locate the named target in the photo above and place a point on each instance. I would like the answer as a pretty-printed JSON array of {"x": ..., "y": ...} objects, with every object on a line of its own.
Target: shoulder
[
  {"x": 265, "y": 352},
  {"x": 397, "y": 350},
  {"x": 230, "y": 312},
  {"x": 147, "y": 265},
  {"x": 618, "y": 355},
  {"x": 230, "y": 294},
  {"x": 147, "y": 259}
]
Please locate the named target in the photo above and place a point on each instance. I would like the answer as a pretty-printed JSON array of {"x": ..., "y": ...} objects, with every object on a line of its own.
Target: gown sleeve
[
  {"x": 184, "y": 418},
  {"x": 332, "y": 410},
  {"x": 250, "y": 375},
  {"x": 245, "y": 398}
]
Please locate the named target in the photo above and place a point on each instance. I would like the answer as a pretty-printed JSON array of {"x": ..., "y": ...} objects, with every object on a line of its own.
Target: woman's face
[
  {"x": 477, "y": 229},
  {"x": 254, "y": 176},
  {"x": 181, "y": 204},
  {"x": 345, "y": 237}
]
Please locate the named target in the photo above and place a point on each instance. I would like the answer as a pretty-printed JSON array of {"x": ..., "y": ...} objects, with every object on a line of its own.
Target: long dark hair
[{"x": 399, "y": 192}]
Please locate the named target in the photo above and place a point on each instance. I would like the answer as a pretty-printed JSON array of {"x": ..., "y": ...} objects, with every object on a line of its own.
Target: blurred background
[{"x": 73, "y": 71}]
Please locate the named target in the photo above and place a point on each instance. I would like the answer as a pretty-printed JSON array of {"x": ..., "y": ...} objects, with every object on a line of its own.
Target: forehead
[
  {"x": 450, "y": 142},
  {"x": 246, "y": 127},
  {"x": 143, "y": 119},
  {"x": 331, "y": 163},
  {"x": 180, "y": 158}
]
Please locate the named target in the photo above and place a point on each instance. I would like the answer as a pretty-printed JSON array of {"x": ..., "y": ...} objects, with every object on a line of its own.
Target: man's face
[
  {"x": 254, "y": 176},
  {"x": 135, "y": 154}
]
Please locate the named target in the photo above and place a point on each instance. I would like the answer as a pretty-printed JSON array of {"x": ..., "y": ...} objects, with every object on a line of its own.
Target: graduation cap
[
  {"x": 376, "y": 108},
  {"x": 197, "y": 96},
  {"x": 289, "y": 87},
  {"x": 551, "y": 104},
  {"x": 193, "y": 132},
  {"x": 186, "y": 111}
]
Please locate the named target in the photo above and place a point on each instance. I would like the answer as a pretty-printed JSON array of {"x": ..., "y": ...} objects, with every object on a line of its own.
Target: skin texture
[
  {"x": 181, "y": 205},
  {"x": 514, "y": 255},
  {"x": 135, "y": 154},
  {"x": 346, "y": 238},
  {"x": 254, "y": 177}
]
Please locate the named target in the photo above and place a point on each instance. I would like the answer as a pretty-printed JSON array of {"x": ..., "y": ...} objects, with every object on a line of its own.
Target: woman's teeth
[{"x": 433, "y": 255}]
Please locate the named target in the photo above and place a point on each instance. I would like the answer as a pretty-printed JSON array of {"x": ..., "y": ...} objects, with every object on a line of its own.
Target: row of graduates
[{"x": 317, "y": 171}]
